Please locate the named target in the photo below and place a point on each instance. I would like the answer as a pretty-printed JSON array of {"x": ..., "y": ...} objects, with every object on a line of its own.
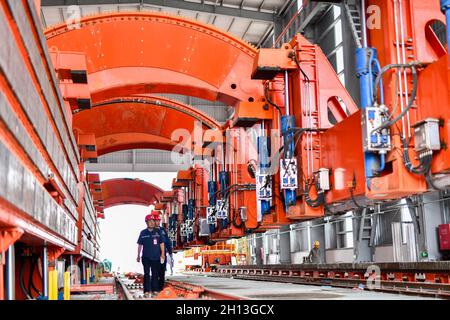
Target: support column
[
  {"x": 45, "y": 272},
  {"x": 10, "y": 274},
  {"x": 83, "y": 271},
  {"x": 259, "y": 249},
  {"x": 285, "y": 245}
]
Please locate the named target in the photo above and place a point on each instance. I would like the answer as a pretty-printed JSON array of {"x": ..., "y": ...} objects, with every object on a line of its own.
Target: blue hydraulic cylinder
[
  {"x": 263, "y": 156},
  {"x": 287, "y": 131},
  {"x": 212, "y": 197},
  {"x": 364, "y": 60},
  {"x": 191, "y": 208},
  {"x": 224, "y": 181},
  {"x": 191, "y": 211},
  {"x": 445, "y": 7},
  {"x": 184, "y": 210},
  {"x": 212, "y": 190}
]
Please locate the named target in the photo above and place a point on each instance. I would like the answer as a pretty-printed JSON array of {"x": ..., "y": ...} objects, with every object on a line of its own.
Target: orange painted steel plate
[
  {"x": 139, "y": 122},
  {"x": 130, "y": 53},
  {"x": 129, "y": 191}
]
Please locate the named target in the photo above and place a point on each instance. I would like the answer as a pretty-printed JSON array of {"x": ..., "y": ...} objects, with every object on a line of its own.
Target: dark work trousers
[
  {"x": 162, "y": 275},
  {"x": 151, "y": 283}
]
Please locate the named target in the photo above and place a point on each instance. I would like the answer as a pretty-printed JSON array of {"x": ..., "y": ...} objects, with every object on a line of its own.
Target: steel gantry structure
[{"x": 70, "y": 94}]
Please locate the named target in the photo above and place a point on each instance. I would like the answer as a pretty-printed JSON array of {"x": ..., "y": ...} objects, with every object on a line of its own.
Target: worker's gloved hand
[
  {"x": 162, "y": 259},
  {"x": 138, "y": 259}
]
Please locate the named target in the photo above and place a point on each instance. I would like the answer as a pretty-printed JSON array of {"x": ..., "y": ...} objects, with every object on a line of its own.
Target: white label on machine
[
  {"x": 183, "y": 230},
  {"x": 263, "y": 187},
  {"x": 222, "y": 209},
  {"x": 288, "y": 174},
  {"x": 189, "y": 227},
  {"x": 211, "y": 217}
]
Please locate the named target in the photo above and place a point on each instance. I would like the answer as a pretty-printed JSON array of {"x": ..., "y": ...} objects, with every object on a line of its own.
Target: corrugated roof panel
[
  {"x": 89, "y": 10},
  {"x": 205, "y": 17},
  {"x": 129, "y": 8},
  {"x": 108, "y": 8},
  {"x": 52, "y": 15},
  {"x": 188, "y": 14},
  {"x": 239, "y": 26},
  {"x": 223, "y": 22},
  {"x": 256, "y": 31}
]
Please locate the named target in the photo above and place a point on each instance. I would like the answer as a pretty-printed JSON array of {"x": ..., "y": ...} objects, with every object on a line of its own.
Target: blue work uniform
[
  {"x": 151, "y": 240},
  {"x": 168, "y": 249}
]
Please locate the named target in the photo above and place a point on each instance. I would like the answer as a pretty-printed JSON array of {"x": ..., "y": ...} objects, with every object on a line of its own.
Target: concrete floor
[{"x": 259, "y": 290}]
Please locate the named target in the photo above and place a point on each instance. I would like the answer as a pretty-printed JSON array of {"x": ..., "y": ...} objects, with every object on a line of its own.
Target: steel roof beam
[{"x": 178, "y": 4}]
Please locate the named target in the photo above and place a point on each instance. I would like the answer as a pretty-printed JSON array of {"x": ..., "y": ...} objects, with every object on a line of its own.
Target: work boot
[{"x": 155, "y": 294}]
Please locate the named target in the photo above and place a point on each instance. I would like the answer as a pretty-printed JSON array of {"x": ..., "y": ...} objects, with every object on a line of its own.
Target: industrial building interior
[{"x": 307, "y": 141}]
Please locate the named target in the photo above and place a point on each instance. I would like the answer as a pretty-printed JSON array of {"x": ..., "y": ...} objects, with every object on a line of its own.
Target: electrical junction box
[
  {"x": 323, "y": 177},
  {"x": 204, "y": 228},
  {"x": 222, "y": 209},
  {"x": 243, "y": 213},
  {"x": 211, "y": 217},
  {"x": 263, "y": 187},
  {"x": 426, "y": 135},
  {"x": 375, "y": 141},
  {"x": 288, "y": 174},
  {"x": 444, "y": 237}
]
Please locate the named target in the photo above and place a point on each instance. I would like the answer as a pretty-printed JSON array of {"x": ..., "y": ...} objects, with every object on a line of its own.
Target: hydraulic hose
[
  {"x": 35, "y": 261},
  {"x": 22, "y": 285},
  {"x": 420, "y": 169},
  {"x": 412, "y": 98},
  {"x": 266, "y": 95},
  {"x": 314, "y": 203}
]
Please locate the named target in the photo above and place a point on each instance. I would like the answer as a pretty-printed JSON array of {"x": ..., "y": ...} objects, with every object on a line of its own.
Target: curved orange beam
[
  {"x": 138, "y": 122},
  {"x": 120, "y": 191},
  {"x": 148, "y": 52}
]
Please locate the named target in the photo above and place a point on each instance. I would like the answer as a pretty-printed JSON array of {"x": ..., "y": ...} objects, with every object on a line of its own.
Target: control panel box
[
  {"x": 263, "y": 187},
  {"x": 444, "y": 237},
  {"x": 379, "y": 140},
  {"x": 426, "y": 135},
  {"x": 288, "y": 174},
  {"x": 204, "y": 230}
]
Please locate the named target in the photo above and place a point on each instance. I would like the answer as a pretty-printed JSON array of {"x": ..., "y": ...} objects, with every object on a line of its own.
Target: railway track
[
  {"x": 407, "y": 288},
  {"x": 428, "y": 279},
  {"x": 174, "y": 290}
]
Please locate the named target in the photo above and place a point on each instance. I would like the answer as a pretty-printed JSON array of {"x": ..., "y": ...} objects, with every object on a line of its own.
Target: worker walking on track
[
  {"x": 168, "y": 250},
  {"x": 151, "y": 245}
]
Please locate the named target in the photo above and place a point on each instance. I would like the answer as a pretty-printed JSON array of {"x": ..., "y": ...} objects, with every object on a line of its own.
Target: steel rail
[{"x": 319, "y": 278}]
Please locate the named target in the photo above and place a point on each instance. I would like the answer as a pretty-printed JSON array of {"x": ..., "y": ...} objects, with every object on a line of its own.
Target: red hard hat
[{"x": 155, "y": 215}]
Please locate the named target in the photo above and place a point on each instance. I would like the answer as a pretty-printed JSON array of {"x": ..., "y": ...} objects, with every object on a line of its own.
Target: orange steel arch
[
  {"x": 120, "y": 191},
  {"x": 139, "y": 53},
  {"x": 138, "y": 122}
]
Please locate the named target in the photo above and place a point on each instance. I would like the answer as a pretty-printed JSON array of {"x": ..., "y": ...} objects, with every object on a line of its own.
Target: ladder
[{"x": 354, "y": 17}]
